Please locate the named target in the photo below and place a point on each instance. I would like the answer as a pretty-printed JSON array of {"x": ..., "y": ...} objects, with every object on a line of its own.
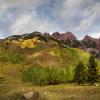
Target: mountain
[
  {"x": 64, "y": 36},
  {"x": 64, "y": 40},
  {"x": 19, "y": 52},
  {"x": 91, "y": 42},
  {"x": 88, "y": 44},
  {"x": 91, "y": 45}
]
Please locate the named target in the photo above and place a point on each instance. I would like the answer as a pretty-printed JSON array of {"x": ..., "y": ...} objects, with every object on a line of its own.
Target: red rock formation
[
  {"x": 64, "y": 36},
  {"x": 89, "y": 38},
  {"x": 56, "y": 35},
  {"x": 97, "y": 41},
  {"x": 68, "y": 36}
]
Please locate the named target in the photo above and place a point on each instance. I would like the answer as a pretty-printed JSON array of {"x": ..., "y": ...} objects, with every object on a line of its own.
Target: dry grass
[{"x": 61, "y": 92}]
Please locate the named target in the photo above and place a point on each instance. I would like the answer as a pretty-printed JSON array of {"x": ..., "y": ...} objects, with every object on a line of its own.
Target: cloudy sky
[{"x": 23, "y": 16}]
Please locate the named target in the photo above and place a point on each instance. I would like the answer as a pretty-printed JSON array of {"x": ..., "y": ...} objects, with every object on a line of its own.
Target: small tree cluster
[
  {"x": 44, "y": 76},
  {"x": 79, "y": 76},
  {"x": 90, "y": 75},
  {"x": 92, "y": 70}
]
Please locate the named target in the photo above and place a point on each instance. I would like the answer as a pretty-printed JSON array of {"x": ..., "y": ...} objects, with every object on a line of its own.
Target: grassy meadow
[{"x": 51, "y": 92}]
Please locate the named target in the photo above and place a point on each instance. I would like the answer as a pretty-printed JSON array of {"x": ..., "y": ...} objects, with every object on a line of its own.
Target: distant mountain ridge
[
  {"x": 66, "y": 39},
  {"x": 96, "y": 41}
]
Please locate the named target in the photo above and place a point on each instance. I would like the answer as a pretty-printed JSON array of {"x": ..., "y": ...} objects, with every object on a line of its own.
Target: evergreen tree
[
  {"x": 79, "y": 75},
  {"x": 92, "y": 70}
]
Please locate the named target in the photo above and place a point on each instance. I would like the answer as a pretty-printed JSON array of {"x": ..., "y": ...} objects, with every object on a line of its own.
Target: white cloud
[
  {"x": 78, "y": 16},
  {"x": 30, "y": 22},
  {"x": 88, "y": 22},
  {"x": 20, "y": 3},
  {"x": 85, "y": 25},
  {"x": 95, "y": 35},
  {"x": 20, "y": 25}
]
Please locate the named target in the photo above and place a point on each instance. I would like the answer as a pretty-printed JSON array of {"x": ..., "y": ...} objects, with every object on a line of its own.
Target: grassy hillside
[
  {"x": 26, "y": 63},
  {"x": 14, "y": 59}
]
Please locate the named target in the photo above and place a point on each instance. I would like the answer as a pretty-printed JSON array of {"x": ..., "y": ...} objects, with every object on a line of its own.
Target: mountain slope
[{"x": 20, "y": 52}]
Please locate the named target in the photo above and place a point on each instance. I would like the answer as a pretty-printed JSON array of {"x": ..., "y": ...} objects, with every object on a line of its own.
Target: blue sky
[{"x": 23, "y": 16}]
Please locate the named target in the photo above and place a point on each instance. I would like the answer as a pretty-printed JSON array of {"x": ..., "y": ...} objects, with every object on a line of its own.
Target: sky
[{"x": 80, "y": 17}]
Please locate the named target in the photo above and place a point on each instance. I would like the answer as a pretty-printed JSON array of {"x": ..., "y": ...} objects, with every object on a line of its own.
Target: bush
[
  {"x": 13, "y": 56},
  {"x": 44, "y": 76},
  {"x": 36, "y": 75},
  {"x": 16, "y": 57},
  {"x": 56, "y": 76},
  {"x": 70, "y": 73},
  {"x": 3, "y": 55}
]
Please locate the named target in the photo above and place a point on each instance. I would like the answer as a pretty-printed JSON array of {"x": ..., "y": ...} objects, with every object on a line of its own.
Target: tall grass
[{"x": 14, "y": 56}]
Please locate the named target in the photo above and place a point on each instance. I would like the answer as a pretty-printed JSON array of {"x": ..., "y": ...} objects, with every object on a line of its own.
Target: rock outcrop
[{"x": 64, "y": 36}]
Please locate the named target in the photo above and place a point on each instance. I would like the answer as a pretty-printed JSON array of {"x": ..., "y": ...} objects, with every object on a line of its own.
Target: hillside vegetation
[
  {"x": 30, "y": 61},
  {"x": 17, "y": 56}
]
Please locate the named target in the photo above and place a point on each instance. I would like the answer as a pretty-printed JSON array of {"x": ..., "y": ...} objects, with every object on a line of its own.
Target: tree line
[
  {"x": 51, "y": 76},
  {"x": 86, "y": 75}
]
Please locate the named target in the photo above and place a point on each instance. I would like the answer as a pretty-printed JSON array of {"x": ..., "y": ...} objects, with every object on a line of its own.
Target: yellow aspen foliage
[{"x": 30, "y": 43}]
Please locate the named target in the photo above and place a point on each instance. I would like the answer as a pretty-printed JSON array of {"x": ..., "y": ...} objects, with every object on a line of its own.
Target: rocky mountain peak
[
  {"x": 64, "y": 36},
  {"x": 69, "y": 36}
]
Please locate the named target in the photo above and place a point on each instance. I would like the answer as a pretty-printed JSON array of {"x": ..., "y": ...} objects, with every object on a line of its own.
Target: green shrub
[
  {"x": 36, "y": 75},
  {"x": 16, "y": 57},
  {"x": 70, "y": 73},
  {"x": 44, "y": 76},
  {"x": 3, "y": 55},
  {"x": 56, "y": 76}
]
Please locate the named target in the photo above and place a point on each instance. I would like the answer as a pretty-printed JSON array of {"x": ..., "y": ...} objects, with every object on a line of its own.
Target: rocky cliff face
[
  {"x": 56, "y": 35},
  {"x": 90, "y": 42},
  {"x": 64, "y": 36}
]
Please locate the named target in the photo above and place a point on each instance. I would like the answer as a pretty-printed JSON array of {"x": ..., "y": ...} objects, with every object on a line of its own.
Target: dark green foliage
[
  {"x": 14, "y": 37},
  {"x": 44, "y": 76},
  {"x": 79, "y": 76},
  {"x": 35, "y": 34},
  {"x": 92, "y": 70},
  {"x": 90, "y": 43},
  {"x": 28, "y": 36},
  {"x": 64, "y": 44},
  {"x": 75, "y": 43},
  {"x": 97, "y": 55},
  {"x": 71, "y": 43}
]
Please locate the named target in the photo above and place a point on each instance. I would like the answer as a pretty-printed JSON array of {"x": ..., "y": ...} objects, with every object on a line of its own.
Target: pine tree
[
  {"x": 79, "y": 75},
  {"x": 92, "y": 70}
]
